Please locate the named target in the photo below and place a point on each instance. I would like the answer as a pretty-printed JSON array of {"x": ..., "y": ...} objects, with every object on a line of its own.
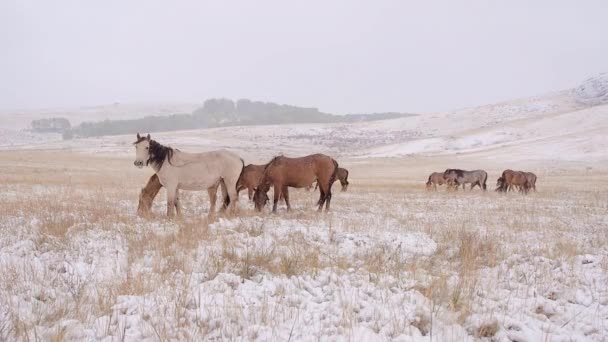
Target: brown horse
[
  {"x": 435, "y": 178},
  {"x": 513, "y": 179},
  {"x": 283, "y": 172},
  {"x": 147, "y": 194},
  {"x": 531, "y": 180},
  {"x": 250, "y": 179},
  {"x": 342, "y": 176}
]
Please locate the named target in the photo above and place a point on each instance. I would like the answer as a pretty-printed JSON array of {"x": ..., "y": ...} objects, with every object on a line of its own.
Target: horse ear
[
  {"x": 148, "y": 137},
  {"x": 138, "y": 137}
]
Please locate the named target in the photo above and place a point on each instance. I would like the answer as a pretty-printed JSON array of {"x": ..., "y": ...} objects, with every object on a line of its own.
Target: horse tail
[
  {"x": 346, "y": 177},
  {"x": 238, "y": 181},
  {"x": 334, "y": 175},
  {"x": 429, "y": 181},
  {"x": 485, "y": 178},
  {"x": 226, "y": 197}
]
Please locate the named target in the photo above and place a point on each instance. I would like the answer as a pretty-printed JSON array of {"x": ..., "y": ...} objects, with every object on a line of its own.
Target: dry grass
[{"x": 61, "y": 208}]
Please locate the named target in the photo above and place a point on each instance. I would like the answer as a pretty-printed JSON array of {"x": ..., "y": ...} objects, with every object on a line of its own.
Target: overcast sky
[{"x": 339, "y": 56}]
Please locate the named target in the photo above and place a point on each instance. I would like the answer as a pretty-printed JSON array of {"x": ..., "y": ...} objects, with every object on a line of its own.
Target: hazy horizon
[{"x": 340, "y": 57}]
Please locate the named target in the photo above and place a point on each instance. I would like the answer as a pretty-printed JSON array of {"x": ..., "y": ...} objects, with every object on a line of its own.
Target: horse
[
  {"x": 283, "y": 172},
  {"x": 250, "y": 179},
  {"x": 342, "y": 176},
  {"x": 435, "y": 178},
  {"x": 149, "y": 192},
  {"x": 531, "y": 177},
  {"x": 457, "y": 177},
  {"x": 512, "y": 179},
  {"x": 177, "y": 170}
]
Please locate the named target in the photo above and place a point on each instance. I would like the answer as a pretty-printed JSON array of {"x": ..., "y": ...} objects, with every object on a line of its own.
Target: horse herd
[
  {"x": 508, "y": 181},
  {"x": 176, "y": 170}
]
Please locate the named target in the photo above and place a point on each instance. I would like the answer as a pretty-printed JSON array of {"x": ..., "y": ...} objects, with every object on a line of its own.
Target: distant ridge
[{"x": 222, "y": 113}]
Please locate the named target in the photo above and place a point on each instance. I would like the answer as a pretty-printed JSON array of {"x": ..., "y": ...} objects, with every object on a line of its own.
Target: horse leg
[
  {"x": 229, "y": 185},
  {"x": 277, "y": 196},
  {"x": 321, "y": 198},
  {"x": 285, "y": 193},
  {"x": 250, "y": 192},
  {"x": 171, "y": 194},
  {"x": 178, "y": 209},
  {"x": 225, "y": 198},
  {"x": 475, "y": 184},
  {"x": 212, "y": 191},
  {"x": 327, "y": 198}
]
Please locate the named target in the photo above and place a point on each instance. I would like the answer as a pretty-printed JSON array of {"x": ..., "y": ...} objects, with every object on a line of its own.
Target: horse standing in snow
[
  {"x": 177, "y": 170},
  {"x": 283, "y": 172}
]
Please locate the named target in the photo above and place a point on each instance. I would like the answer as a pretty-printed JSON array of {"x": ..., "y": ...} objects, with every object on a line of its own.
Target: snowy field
[{"x": 390, "y": 262}]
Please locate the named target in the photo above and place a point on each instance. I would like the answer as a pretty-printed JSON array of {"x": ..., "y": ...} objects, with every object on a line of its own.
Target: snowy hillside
[
  {"x": 560, "y": 126},
  {"x": 593, "y": 91}
]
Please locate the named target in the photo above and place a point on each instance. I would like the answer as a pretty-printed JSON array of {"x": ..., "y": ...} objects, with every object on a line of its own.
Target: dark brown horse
[{"x": 283, "y": 172}]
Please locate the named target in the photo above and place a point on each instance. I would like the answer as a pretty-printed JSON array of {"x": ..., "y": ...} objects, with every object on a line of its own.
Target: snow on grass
[{"x": 387, "y": 263}]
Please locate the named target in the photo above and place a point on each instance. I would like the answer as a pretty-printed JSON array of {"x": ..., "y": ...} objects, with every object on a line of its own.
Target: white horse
[{"x": 177, "y": 170}]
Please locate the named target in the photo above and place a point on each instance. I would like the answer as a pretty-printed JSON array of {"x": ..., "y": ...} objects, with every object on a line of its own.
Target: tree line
[{"x": 214, "y": 113}]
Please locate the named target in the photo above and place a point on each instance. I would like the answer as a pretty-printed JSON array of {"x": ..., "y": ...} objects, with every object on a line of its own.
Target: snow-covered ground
[
  {"x": 398, "y": 263},
  {"x": 389, "y": 262}
]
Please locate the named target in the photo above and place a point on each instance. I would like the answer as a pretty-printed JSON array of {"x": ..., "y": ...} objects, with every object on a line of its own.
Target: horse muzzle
[{"x": 138, "y": 163}]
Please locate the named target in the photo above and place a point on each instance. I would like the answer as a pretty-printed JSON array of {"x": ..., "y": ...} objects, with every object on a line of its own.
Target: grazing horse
[
  {"x": 436, "y": 178},
  {"x": 513, "y": 179},
  {"x": 177, "y": 170},
  {"x": 147, "y": 194},
  {"x": 342, "y": 176},
  {"x": 250, "y": 179},
  {"x": 531, "y": 180},
  {"x": 457, "y": 177},
  {"x": 283, "y": 172}
]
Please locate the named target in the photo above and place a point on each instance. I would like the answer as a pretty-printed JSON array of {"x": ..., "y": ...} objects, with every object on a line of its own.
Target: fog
[{"x": 339, "y": 56}]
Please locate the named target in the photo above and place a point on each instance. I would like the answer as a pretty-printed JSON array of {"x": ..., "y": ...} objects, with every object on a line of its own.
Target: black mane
[{"x": 158, "y": 153}]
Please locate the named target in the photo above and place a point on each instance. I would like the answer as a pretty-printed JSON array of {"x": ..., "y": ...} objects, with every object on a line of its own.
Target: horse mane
[{"x": 159, "y": 152}]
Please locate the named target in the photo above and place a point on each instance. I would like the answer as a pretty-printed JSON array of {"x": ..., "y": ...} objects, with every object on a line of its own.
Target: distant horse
[
  {"x": 436, "y": 178},
  {"x": 177, "y": 170},
  {"x": 457, "y": 177},
  {"x": 283, "y": 172},
  {"x": 531, "y": 180},
  {"x": 342, "y": 176},
  {"x": 512, "y": 179}
]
